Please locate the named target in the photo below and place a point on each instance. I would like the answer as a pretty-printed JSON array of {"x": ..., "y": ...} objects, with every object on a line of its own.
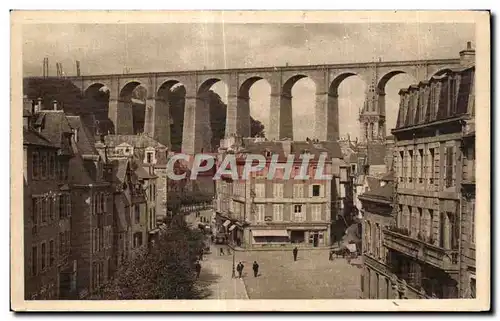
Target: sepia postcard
[{"x": 250, "y": 161}]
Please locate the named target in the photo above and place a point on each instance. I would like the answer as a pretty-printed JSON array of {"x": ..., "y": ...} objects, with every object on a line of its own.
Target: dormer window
[{"x": 149, "y": 157}]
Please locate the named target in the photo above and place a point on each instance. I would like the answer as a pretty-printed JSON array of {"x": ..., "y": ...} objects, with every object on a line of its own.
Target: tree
[
  {"x": 163, "y": 271},
  {"x": 256, "y": 128}
]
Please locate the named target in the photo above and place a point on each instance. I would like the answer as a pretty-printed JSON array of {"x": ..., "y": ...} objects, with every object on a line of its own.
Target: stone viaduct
[{"x": 196, "y": 130}]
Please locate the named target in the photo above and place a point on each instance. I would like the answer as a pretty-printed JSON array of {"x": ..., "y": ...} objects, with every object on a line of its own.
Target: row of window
[
  {"x": 439, "y": 100},
  {"x": 419, "y": 165},
  {"x": 49, "y": 209},
  {"x": 420, "y": 223},
  {"x": 298, "y": 190},
  {"x": 298, "y": 213},
  {"x": 45, "y": 165},
  {"x": 292, "y": 172},
  {"x": 43, "y": 257},
  {"x": 101, "y": 238},
  {"x": 423, "y": 223}
]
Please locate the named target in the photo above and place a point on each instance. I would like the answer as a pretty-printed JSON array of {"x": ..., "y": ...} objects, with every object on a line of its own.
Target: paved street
[
  {"x": 313, "y": 276},
  {"x": 216, "y": 277}
]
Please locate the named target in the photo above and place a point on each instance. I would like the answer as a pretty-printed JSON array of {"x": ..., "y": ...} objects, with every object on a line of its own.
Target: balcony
[{"x": 443, "y": 259}]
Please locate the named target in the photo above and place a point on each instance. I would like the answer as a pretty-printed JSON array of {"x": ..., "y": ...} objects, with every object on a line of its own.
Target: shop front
[
  {"x": 309, "y": 237},
  {"x": 236, "y": 233},
  {"x": 269, "y": 238}
]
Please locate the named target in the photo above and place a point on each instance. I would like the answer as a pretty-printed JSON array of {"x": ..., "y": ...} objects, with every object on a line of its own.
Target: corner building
[
  {"x": 432, "y": 237},
  {"x": 259, "y": 212}
]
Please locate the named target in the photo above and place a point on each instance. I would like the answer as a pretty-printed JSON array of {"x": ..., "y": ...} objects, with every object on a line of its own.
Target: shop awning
[
  {"x": 269, "y": 233},
  {"x": 226, "y": 223},
  {"x": 232, "y": 227}
]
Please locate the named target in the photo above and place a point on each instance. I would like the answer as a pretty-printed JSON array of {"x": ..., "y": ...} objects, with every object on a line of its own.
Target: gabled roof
[
  {"x": 85, "y": 142},
  {"x": 77, "y": 172},
  {"x": 382, "y": 193},
  {"x": 124, "y": 145},
  {"x": 333, "y": 149},
  {"x": 261, "y": 148},
  {"x": 120, "y": 167},
  {"x": 54, "y": 125},
  {"x": 142, "y": 173}
]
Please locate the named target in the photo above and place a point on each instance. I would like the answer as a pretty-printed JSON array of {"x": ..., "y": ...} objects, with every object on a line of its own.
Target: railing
[{"x": 403, "y": 242}]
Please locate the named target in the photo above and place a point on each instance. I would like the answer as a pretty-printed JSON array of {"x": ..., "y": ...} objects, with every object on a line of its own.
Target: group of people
[
  {"x": 240, "y": 266},
  {"x": 255, "y": 268},
  {"x": 255, "y": 265}
]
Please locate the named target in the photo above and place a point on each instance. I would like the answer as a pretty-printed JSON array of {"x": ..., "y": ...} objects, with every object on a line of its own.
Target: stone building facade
[
  {"x": 377, "y": 279},
  {"x": 149, "y": 154},
  {"x": 47, "y": 213},
  {"x": 430, "y": 245},
  {"x": 134, "y": 187},
  {"x": 84, "y": 206},
  {"x": 262, "y": 212}
]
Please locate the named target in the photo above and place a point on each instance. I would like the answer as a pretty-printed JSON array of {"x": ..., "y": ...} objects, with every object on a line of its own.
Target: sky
[{"x": 109, "y": 48}]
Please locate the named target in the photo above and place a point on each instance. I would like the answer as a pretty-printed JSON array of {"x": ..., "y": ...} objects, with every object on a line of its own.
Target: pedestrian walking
[
  {"x": 198, "y": 269},
  {"x": 201, "y": 255},
  {"x": 239, "y": 268},
  {"x": 221, "y": 251},
  {"x": 295, "y": 252},
  {"x": 255, "y": 268}
]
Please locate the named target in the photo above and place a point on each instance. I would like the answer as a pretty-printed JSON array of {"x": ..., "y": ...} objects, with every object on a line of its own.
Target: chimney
[
  {"x": 54, "y": 104},
  {"x": 38, "y": 105},
  {"x": 468, "y": 56}
]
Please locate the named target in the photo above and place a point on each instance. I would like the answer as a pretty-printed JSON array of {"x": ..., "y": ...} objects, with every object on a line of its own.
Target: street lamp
[{"x": 234, "y": 272}]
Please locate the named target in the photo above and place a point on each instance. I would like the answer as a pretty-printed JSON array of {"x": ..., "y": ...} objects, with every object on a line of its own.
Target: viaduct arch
[{"x": 196, "y": 127}]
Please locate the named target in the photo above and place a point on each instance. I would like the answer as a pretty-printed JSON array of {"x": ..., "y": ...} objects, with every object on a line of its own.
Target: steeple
[{"x": 372, "y": 116}]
